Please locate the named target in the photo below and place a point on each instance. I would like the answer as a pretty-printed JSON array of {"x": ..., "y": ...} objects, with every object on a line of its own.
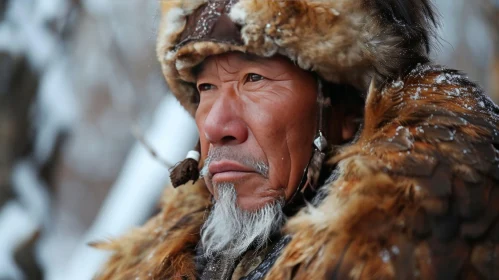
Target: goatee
[{"x": 230, "y": 231}]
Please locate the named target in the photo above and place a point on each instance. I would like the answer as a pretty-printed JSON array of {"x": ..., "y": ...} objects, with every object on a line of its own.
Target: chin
[
  {"x": 252, "y": 204},
  {"x": 250, "y": 198}
]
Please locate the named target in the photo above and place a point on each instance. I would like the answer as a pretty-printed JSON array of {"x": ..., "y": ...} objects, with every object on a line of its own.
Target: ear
[
  {"x": 343, "y": 124},
  {"x": 349, "y": 127}
]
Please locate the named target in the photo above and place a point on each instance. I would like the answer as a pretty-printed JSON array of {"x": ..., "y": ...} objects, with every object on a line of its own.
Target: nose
[{"x": 224, "y": 124}]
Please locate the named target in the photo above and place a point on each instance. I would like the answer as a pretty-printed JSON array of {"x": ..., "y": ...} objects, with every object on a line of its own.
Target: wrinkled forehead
[{"x": 237, "y": 60}]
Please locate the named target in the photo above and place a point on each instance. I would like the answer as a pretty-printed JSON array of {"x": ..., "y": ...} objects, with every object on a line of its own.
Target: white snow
[
  {"x": 138, "y": 187},
  {"x": 398, "y": 84},
  {"x": 385, "y": 255},
  {"x": 440, "y": 79},
  {"x": 31, "y": 35},
  {"x": 335, "y": 12},
  {"x": 395, "y": 250},
  {"x": 21, "y": 227},
  {"x": 416, "y": 94},
  {"x": 57, "y": 109},
  {"x": 98, "y": 7},
  {"x": 238, "y": 14},
  {"x": 31, "y": 192}
]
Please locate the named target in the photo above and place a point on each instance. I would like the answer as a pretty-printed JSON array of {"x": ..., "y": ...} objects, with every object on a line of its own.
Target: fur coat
[{"x": 415, "y": 196}]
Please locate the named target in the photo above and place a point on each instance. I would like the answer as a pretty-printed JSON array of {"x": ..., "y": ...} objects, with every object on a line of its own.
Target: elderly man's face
[{"x": 256, "y": 120}]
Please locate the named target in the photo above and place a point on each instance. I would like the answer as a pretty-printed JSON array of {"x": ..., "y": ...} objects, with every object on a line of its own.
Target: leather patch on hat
[{"x": 211, "y": 22}]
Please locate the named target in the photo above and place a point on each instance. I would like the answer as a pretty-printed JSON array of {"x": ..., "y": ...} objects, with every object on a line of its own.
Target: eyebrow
[{"x": 249, "y": 57}]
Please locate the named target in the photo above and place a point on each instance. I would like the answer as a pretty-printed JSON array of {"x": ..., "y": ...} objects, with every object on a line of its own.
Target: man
[{"x": 293, "y": 187}]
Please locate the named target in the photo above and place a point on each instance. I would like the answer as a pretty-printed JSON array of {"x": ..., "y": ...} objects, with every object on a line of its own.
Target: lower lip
[{"x": 230, "y": 176}]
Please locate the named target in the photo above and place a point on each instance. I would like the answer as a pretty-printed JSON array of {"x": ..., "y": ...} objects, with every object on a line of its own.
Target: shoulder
[{"x": 415, "y": 196}]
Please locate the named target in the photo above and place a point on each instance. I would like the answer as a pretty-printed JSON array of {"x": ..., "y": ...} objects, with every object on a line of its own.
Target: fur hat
[{"x": 343, "y": 41}]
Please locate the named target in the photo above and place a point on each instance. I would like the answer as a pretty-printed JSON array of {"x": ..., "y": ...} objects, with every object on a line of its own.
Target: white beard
[{"x": 229, "y": 230}]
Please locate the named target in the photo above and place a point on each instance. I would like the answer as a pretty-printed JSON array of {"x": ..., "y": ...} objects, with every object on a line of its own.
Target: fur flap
[
  {"x": 415, "y": 197},
  {"x": 164, "y": 248},
  {"x": 344, "y": 41}
]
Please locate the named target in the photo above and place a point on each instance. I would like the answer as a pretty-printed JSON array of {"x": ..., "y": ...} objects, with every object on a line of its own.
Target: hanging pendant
[
  {"x": 320, "y": 142},
  {"x": 315, "y": 165},
  {"x": 314, "y": 170}
]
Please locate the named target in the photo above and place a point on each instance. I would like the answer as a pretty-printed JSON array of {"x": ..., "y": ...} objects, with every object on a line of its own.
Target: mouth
[{"x": 229, "y": 171}]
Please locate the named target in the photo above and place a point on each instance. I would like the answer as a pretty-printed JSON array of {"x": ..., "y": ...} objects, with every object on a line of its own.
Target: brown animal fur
[
  {"x": 344, "y": 41},
  {"x": 164, "y": 247},
  {"x": 417, "y": 194},
  {"x": 417, "y": 197}
]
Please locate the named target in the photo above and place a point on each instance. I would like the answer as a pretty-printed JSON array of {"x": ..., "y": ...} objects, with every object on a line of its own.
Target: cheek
[
  {"x": 285, "y": 135},
  {"x": 205, "y": 145},
  {"x": 200, "y": 118}
]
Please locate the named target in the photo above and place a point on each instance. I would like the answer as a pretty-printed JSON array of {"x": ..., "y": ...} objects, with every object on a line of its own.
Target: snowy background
[{"x": 75, "y": 77}]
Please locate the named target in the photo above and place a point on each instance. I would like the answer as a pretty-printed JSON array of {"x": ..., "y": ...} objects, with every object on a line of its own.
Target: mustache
[{"x": 228, "y": 153}]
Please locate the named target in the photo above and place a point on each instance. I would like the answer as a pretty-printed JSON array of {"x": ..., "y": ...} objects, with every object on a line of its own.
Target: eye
[
  {"x": 252, "y": 77},
  {"x": 205, "y": 87}
]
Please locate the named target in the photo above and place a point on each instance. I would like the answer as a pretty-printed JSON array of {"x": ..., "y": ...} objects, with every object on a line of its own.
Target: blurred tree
[
  {"x": 18, "y": 88},
  {"x": 21, "y": 72},
  {"x": 491, "y": 15}
]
